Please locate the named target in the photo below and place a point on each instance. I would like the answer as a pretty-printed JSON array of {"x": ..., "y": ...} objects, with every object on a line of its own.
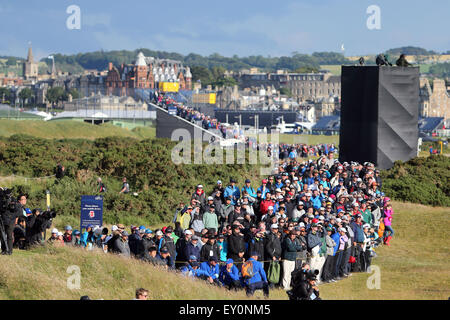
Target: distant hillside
[
  {"x": 99, "y": 60},
  {"x": 411, "y": 51}
]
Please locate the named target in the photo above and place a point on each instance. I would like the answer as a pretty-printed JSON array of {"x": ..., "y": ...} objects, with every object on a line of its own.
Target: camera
[
  {"x": 7, "y": 201},
  {"x": 49, "y": 214}
]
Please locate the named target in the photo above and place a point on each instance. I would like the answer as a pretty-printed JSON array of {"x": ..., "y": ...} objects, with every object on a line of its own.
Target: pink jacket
[{"x": 388, "y": 216}]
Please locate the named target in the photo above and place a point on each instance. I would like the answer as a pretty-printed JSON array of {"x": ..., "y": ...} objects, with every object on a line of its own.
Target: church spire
[{"x": 30, "y": 53}]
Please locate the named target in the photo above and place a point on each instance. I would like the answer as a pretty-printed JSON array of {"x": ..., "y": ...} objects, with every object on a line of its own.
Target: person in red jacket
[{"x": 265, "y": 204}]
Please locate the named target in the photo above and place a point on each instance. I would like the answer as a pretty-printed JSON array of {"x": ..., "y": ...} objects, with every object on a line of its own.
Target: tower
[{"x": 30, "y": 68}]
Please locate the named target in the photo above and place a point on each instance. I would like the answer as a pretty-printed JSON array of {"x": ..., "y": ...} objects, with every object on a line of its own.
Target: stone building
[
  {"x": 434, "y": 101},
  {"x": 146, "y": 73},
  {"x": 30, "y": 67},
  {"x": 303, "y": 86}
]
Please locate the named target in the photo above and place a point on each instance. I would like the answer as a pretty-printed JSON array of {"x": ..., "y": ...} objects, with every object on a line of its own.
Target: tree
[
  {"x": 74, "y": 93},
  {"x": 286, "y": 92},
  {"x": 201, "y": 73},
  {"x": 25, "y": 94},
  {"x": 225, "y": 82},
  {"x": 54, "y": 95},
  {"x": 307, "y": 70},
  {"x": 5, "y": 95}
]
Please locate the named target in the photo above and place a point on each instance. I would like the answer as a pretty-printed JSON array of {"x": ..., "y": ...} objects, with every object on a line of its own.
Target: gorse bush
[
  {"x": 161, "y": 185},
  {"x": 420, "y": 180}
]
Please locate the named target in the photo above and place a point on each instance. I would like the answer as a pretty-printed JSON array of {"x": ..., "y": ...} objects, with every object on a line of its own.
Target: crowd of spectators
[{"x": 319, "y": 215}]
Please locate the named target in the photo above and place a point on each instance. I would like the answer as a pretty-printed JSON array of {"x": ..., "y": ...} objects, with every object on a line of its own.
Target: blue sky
[{"x": 241, "y": 27}]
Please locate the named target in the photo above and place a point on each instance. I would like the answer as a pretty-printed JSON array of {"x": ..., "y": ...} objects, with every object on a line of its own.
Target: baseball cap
[
  {"x": 159, "y": 233},
  {"x": 67, "y": 228},
  {"x": 229, "y": 261},
  {"x": 114, "y": 228},
  {"x": 247, "y": 180},
  {"x": 274, "y": 226},
  {"x": 219, "y": 182},
  {"x": 270, "y": 208},
  {"x": 210, "y": 198},
  {"x": 193, "y": 258},
  {"x": 164, "y": 250},
  {"x": 194, "y": 237},
  {"x": 264, "y": 180},
  {"x": 188, "y": 232},
  {"x": 54, "y": 231},
  {"x": 148, "y": 231},
  {"x": 366, "y": 226},
  {"x": 199, "y": 186},
  {"x": 338, "y": 220},
  {"x": 124, "y": 233}
]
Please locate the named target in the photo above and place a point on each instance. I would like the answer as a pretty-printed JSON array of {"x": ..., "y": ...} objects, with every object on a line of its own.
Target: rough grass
[
  {"x": 309, "y": 139},
  {"x": 68, "y": 129},
  {"x": 415, "y": 266}
]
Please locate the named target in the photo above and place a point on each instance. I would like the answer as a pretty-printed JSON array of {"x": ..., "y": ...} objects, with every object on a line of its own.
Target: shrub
[{"x": 424, "y": 180}]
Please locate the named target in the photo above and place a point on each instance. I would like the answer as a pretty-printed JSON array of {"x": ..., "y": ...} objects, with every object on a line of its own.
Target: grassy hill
[
  {"x": 67, "y": 129},
  {"x": 415, "y": 266}
]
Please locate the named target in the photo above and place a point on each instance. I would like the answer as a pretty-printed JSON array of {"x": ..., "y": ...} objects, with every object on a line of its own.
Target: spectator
[
  {"x": 67, "y": 237},
  {"x": 236, "y": 245},
  {"x": 232, "y": 191},
  {"x": 212, "y": 270},
  {"x": 229, "y": 275},
  {"x": 125, "y": 186},
  {"x": 141, "y": 294},
  {"x": 257, "y": 278},
  {"x": 291, "y": 246},
  {"x": 388, "y": 231}
]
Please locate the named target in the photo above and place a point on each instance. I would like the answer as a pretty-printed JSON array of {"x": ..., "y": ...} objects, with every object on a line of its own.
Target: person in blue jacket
[
  {"x": 259, "y": 279},
  {"x": 192, "y": 269},
  {"x": 87, "y": 233},
  {"x": 250, "y": 191},
  {"x": 212, "y": 270},
  {"x": 229, "y": 275},
  {"x": 232, "y": 191}
]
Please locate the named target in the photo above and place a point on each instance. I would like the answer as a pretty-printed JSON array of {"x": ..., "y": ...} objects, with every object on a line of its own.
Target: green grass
[
  {"x": 334, "y": 69},
  {"x": 309, "y": 139},
  {"x": 415, "y": 266},
  {"x": 67, "y": 129}
]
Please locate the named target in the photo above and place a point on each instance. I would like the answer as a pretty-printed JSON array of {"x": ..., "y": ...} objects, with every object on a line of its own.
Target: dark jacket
[
  {"x": 192, "y": 250},
  {"x": 236, "y": 244},
  {"x": 208, "y": 251},
  {"x": 134, "y": 241},
  {"x": 181, "y": 250},
  {"x": 290, "y": 248},
  {"x": 256, "y": 245},
  {"x": 168, "y": 242},
  {"x": 273, "y": 247}
]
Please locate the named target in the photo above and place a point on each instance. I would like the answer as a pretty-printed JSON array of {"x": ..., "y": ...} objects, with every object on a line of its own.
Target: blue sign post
[
  {"x": 172, "y": 110},
  {"x": 91, "y": 211}
]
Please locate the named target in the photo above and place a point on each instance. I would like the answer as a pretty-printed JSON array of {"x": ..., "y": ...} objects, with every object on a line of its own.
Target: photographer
[
  {"x": 37, "y": 223},
  {"x": 304, "y": 285},
  {"x": 10, "y": 211}
]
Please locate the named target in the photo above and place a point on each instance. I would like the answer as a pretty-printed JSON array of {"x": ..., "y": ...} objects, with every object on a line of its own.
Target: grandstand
[
  {"x": 328, "y": 125},
  {"x": 431, "y": 125}
]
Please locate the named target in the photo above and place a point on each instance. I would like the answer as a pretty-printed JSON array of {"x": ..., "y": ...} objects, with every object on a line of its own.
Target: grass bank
[
  {"x": 415, "y": 266},
  {"x": 68, "y": 129}
]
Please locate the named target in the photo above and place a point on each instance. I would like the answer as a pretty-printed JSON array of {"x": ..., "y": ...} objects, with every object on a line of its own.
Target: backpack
[{"x": 247, "y": 270}]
